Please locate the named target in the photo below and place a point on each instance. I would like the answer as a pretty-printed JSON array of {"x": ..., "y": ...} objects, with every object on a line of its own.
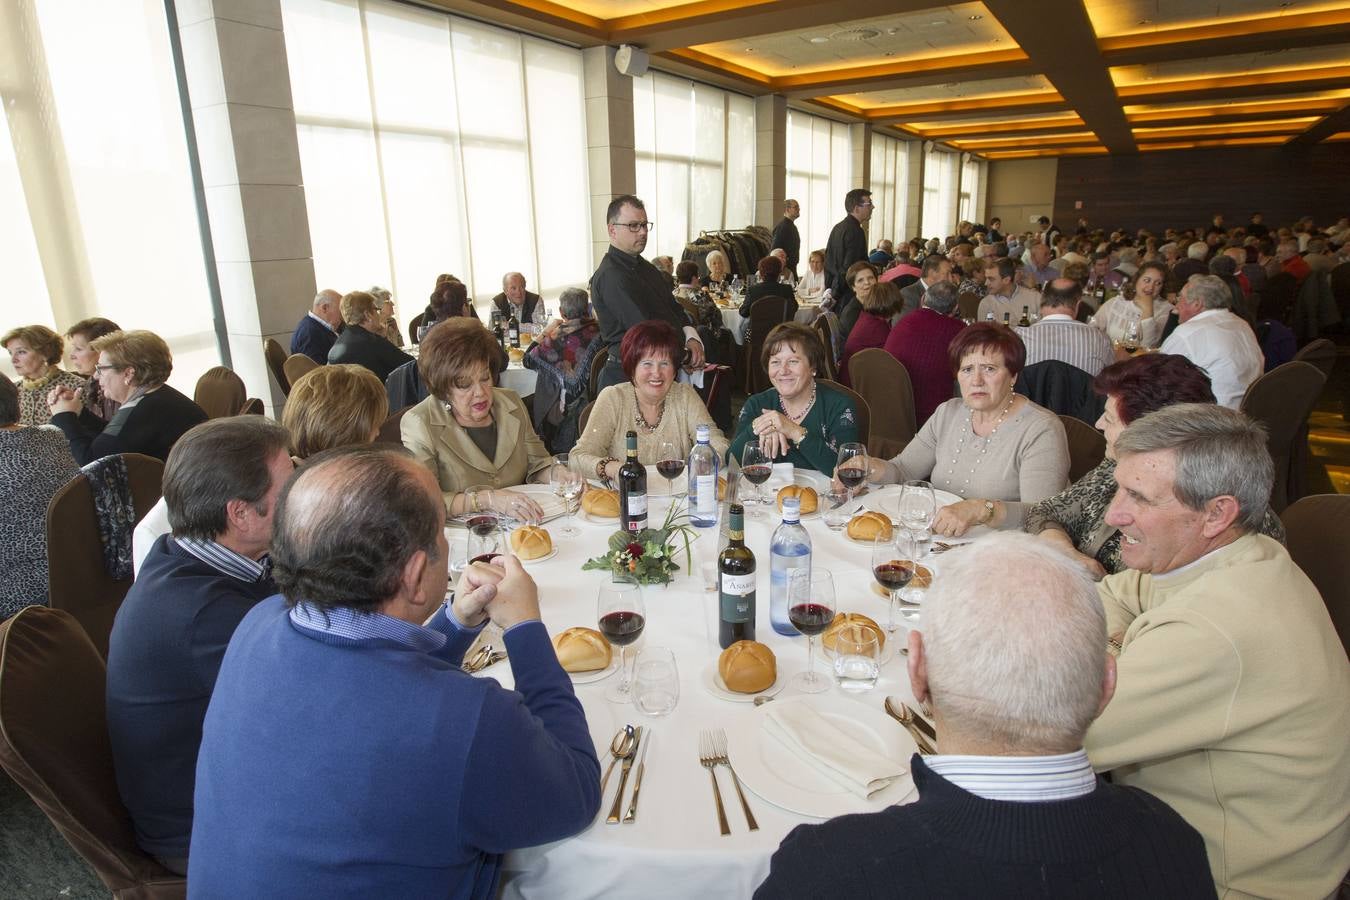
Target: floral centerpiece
[{"x": 648, "y": 557}]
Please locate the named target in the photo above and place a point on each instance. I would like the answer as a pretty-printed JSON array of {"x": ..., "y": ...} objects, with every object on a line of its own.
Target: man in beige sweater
[{"x": 1233, "y": 698}]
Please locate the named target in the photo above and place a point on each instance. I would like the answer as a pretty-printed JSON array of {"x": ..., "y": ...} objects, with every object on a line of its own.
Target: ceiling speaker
[{"x": 631, "y": 61}]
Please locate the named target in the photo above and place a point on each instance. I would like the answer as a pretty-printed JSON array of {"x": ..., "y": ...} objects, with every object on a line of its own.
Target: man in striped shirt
[{"x": 1059, "y": 335}]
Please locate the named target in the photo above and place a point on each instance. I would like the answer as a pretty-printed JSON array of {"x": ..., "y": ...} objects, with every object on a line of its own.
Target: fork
[
  {"x": 719, "y": 738},
  {"x": 708, "y": 757}
]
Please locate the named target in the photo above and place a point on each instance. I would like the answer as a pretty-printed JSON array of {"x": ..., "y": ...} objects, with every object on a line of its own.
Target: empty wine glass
[
  {"x": 918, "y": 509},
  {"x": 669, "y": 463},
  {"x": 811, "y": 610},
  {"x": 851, "y": 466},
  {"x": 622, "y": 617},
  {"x": 486, "y": 538},
  {"x": 756, "y": 467},
  {"x": 568, "y": 486},
  {"x": 893, "y": 566}
]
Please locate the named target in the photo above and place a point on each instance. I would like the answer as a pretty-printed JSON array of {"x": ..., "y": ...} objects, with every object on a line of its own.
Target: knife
[
  {"x": 613, "y": 817},
  {"x": 631, "y": 816},
  {"x": 923, "y": 724}
]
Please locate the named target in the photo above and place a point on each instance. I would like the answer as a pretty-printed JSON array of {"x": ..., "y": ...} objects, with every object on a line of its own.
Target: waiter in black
[
  {"x": 846, "y": 246},
  {"x": 786, "y": 235},
  {"x": 626, "y": 289}
]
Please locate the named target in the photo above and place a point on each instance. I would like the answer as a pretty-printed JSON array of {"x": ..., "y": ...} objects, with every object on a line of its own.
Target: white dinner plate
[
  {"x": 542, "y": 494},
  {"x": 712, "y": 682},
  {"x": 545, "y": 558},
  {"x": 596, "y": 674},
  {"x": 774, "y": 773},
  {"x": 801, "y": 478}
]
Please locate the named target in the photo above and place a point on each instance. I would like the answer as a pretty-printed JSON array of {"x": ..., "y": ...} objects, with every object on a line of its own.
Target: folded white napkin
[
  {"x": 783, "y": 474},
  {"x": 694, "y": 378},
  {"x": 830, "y": 752}
]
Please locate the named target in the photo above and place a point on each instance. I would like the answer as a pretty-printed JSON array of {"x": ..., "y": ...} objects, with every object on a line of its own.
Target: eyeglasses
[
  {"x": 635, "y": 227},
  {"x": 106, "y": 368}
]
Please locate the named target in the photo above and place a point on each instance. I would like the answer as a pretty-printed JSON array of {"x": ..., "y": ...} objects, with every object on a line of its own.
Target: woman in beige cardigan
[
  {"x": 469, "y": 433},
  {"x": 652, "y": 403}
]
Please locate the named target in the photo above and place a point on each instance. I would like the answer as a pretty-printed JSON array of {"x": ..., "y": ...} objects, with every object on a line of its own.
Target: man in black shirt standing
[
  {"x": 626, "y": 289},
  {"x": 786, "y": 236},
  {"x": 847, "y": 245}
]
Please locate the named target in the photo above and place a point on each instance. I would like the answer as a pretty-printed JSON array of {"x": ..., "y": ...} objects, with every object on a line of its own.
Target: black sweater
[
  {"x": 1113, "y": 842},
  {"x": 152, "y": 426}
]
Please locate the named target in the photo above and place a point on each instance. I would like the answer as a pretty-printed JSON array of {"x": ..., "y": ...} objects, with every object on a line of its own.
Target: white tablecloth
[
  {"x": 674, "y": 849},
  {"x": 738, "y": 324},
  {"x": 519, "y": 379}
]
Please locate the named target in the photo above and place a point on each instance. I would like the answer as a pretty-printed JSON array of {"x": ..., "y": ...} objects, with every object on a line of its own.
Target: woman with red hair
[{"x": 651, "y": 402}]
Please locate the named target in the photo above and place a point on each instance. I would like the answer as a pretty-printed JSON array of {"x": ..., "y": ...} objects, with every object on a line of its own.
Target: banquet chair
[
  {"x": 1087, "y": 446},
  {"x": 825, "y": 331},
  {"x": 1317, "y": 533},
  {"x": 861, "y": 411},
  {"x": 583, "y": 417},
  {"x": 1282, "y": 399},
  {"x": 883, "y": 382},
  {"x": 969, "y": 304},
  {"x": 253, "y": 407},
  {"x": 598, "y": 361},
  {"x": 764, "y": 315},
  {"x": 391, "y": 430},
  {"x": 54, "y": 744},
  {"x": 297, "y": 364},
  {"x": 77, "y": 575},
  {"x": 220, "y": 393},
  {"x": 415, "y": 324},
  {"x": 276, "y": 363},
  {"x": 1320, "y": 353}
]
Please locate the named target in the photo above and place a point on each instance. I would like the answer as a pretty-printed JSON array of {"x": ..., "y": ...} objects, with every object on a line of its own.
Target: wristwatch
[{"x": 988, "y": 512}]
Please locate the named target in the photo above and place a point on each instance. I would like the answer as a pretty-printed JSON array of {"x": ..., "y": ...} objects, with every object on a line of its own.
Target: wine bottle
[
  {"x": 1007, "y": 319},
  {"x": 789, "y": 550},
  {"x": 1025, "y": 321},
  {"x": 703, "y": 480},
  {"x": 513, "y": 330},
  {"x": 736, "y": 585},
  {"x": 989, "y": 316},
  {"x": 633, "y": 489}
]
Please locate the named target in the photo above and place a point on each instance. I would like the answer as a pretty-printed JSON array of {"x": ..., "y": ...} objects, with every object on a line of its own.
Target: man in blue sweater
[
  {"x": 220, "y": 486},
  {"x": 345, "y": 752},
  {"x": 1013, "y": 660},
  {"x": 317, "y": 332}
]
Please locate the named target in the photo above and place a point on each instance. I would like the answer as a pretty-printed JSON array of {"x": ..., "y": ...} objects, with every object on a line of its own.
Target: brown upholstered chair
[
  {"x": 583, "y": 417},
  {"x": 252, "y": 407},
  {"x": 390, "y": 431},
  {"x": 220, "y": 393},
  {"x": 1317, "y": 533},
  {"x": 275, "y": 355},
  {"x": 598, "y": 361},
  {"x": 78, "y": 581},
  {"x": 54, "y": 744},
  {"x": 415, "y": 324},
  {"x": 1320, "y": 353},
  {"x": 297, "y": 364},
  {"x": 1282, "y": 399},
  {"x": 969, "y": 304},
  {"x": 764, "y": 315},
  {"x": 825, "y": 331},
  {"x": 884, "y": 383},
  {"x": 1087, "y": 447},
  {"x": 861, "y": 411}
]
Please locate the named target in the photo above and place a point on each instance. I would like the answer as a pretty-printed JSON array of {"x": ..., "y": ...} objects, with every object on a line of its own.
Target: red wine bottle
[
  {"x": 736, "y": 584},
  {"x": 633, "y": 490}
]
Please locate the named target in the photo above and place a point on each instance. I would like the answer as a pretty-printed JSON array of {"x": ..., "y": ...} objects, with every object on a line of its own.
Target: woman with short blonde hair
[
  {"x": 35, "y": 351},
  {"x": 334, "y": 406},
  {"x": 363, "y": 342}
]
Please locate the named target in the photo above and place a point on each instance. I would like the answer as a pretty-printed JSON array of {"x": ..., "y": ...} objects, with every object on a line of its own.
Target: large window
[
  {"x": 432, "y": 144},
  {"x": 890, "y": 189},
  {"x": 972, "y": 190},
  {"x": 96, "y": 206},
  {"x": 940, "y": 174},
  {"x": 695, "y": 159},
  {"x": 819, "y": 174}
]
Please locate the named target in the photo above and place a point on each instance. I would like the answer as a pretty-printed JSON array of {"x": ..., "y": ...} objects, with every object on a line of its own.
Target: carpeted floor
[{"x": 36, "y": 863}]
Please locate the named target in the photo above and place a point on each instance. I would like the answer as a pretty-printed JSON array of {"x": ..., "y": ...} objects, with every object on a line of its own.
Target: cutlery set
[
  {"x": 712, "y": 752},
  {"x": 481, "y": 658},
  {"x": 919, "y": 728},
  {"x": 628, "y": 745}
]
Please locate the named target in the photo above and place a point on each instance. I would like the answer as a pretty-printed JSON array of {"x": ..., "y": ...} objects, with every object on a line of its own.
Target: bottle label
[
  {"x": 705, "y": 488},
  {"x": 737, "y": 598},
  {"x": 637, "y": 506},
  {"x": 739, "y": 585}
]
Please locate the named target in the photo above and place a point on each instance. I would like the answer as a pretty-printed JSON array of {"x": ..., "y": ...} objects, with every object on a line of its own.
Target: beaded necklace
[
  {"x": 810, "y": 403},
  {"x": 961, "y": 441},
  {"x": 642, "y": 422}
]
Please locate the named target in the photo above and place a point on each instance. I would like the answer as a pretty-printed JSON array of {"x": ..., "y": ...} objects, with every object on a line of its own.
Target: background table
[
  {"x": 674, "y": 849},
  {"x": 738, "y": 324}
]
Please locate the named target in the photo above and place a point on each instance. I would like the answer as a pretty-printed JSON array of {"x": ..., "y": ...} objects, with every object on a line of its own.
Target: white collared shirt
[
  {"x": 1019, "y": 779},
  {"x": 322, "y": 321},
  {"x": 1224, "y": 346}
]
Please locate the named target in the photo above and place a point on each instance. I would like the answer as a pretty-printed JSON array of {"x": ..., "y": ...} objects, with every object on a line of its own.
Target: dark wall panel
[{"x": 1186, "y": 187}]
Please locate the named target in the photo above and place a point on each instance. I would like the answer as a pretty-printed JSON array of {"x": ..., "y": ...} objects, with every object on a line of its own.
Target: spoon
[
  {"x": 905, "y": 718},
  {"x": 622, "y": 745}
]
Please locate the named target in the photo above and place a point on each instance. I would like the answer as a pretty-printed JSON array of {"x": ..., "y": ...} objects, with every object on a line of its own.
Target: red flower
[{"x": 634, "y": 550}]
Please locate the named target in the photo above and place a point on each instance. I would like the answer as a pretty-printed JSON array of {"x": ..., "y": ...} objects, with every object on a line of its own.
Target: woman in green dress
[{"x": 800, "y": 419}]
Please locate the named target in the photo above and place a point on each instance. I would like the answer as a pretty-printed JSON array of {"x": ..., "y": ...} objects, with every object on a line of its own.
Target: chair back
[
  {"x": 765, "y": 313},
  {"x": 1320, "y": 353},
  {"x": 969, "y": 304},
  {"x": 391, "y": 431},
  {"x": 1282, "y": 399},
  {"x": 598, "y": 361},
  {"x": 1061, "y": 388},
  {"x": 716, "y": 382},
  {"x": 583, "y": 417},
  {"x": 77, "y": 577},
  {"x": 1087, "y": 446},
  {"x": 415, "y": 324},
  {"x": 825, "y": 331},
  {"x": 883, "y": 382},
  {"x": 1340, "y": 287},
  {"x": 297, "y": 364},
  {"x": 860, "y": 409},
  {"x": 275, "y": 355},
  {"x": 1281, "y": 291},
  {"x": 220, "y": 393},
  {"x": 54, "y": 744},
  {"x": 252, "y": 407},
  {"x": 1317, "y": 533}
]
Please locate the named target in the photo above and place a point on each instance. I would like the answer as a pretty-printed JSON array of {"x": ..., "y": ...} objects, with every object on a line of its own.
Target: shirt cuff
[
  {"x": 691, "y": 334},
  {"x": 457, "y": 625}
]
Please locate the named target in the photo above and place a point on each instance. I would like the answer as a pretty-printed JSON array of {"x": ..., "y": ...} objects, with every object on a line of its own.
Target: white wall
[{"x": 1020, "y": 191}]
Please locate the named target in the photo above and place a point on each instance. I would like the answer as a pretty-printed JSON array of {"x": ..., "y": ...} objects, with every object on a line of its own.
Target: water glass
[
  {"x": 836, "y": 509},
  {"x": 656, "y": 681},
  {"x": 918, "y": 509},
  {"x": 857, "y": 659}
]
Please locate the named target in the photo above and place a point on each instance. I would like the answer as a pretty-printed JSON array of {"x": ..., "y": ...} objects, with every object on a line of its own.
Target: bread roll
[
  {"x": 868, "y": 526},
  {"x": 601, "y": 502},
  {"x": 531, "y": 542},
  {"x": 747, "y": 667},
  {"x": 807, "y": 495},
  {"x": 850, "y": 625},
  {"x": 516, "y": 354},
  {"x": 582, "y": 650}
]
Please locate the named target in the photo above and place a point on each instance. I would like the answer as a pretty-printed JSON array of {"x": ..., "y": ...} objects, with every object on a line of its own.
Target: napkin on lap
[{"x": 827, "y": 750}]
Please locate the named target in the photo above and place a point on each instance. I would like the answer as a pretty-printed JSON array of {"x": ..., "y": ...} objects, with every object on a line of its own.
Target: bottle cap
[
  {"x": 792, "y": 509},
  {"x": 703, "y": 434}
]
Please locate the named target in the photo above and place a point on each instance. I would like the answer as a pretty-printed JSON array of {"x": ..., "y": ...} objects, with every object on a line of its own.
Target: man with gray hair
[
  {"x": 1012, "y": 657},
  {"x": 1233, "y": 692},
  {"x": 318, "y": 331},
  {"x": 919, "y": 340},
  {"x": 1058, "y": 336},
  {"x": 514, "y": 300},
  {"x": 1215, "y": 339}
]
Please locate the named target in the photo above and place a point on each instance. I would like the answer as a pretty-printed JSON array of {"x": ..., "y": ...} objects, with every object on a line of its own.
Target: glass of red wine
[
  {"x": 811, "y": 610},
  {"x": 851, "y": 466},
  {"x": 669, "y": 463},
  {"x": 757, "y": 468},
  {"x": 486, "y": 538},
  {"x": 893, "y": 565},
  {"x": 622, "y": 617}
]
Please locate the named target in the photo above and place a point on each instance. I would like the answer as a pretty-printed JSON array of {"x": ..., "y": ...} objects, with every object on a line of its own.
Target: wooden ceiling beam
[
  {"x": 1319, "y": 131},
  {"x": 981, "y": 129},
  {"x": 1011, "y": 63},
  {"x": 1234, "y": 87},
  {"x": 1317, "y": 29},
  {"x": 1248, "y": 112},
  {"x": 966, "y": 107}
]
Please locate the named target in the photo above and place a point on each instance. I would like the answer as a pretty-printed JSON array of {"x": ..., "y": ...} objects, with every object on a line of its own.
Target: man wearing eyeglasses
[
  {"x": 846, "y": 246},
  {"x": 626, "y": 289}
]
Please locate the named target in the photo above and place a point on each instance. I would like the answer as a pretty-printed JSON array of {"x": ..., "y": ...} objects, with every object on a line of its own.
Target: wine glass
[
  {"x": 918, "y": 509},
  {"x": 622, "y": 616},
  {"x": 567, "y": 485},
  {"x": 1130, "y": 340},
  {"x": 486, "y": 538},
  {"x": 893, "y": 567},
  {"x": 756, "y": 467},
  {"x": 851, "y": 466},
  {"x": 669, "y": 463},
  {"x": 810, "y": 610}
]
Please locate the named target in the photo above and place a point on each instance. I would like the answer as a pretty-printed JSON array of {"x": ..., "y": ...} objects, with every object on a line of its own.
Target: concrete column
[
  {"x": 770, "y": 159},
  {"x": 234, "y": 57},
  {"x": 611, "y": 158},
  {"x": 860, "y": 139},
  {"x": 913, "y": 188}
]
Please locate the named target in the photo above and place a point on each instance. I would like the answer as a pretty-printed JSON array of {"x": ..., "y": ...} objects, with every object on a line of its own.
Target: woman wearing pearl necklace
[{"x": 992, "y": 447}]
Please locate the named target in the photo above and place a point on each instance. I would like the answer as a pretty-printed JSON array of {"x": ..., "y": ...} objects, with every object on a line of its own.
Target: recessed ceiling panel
[
  {"x": 951, "y": 91},
  {"x": 1116, "y": 17},
  {"x": 1049, "y": 119},
  {"x": 1272, "y": 101},
  {"x": 1240, "y": 64},
  {"x": 613, "y": 9}
]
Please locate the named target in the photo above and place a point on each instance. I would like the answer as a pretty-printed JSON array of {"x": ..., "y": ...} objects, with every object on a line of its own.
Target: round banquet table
[
  {"x": 675, "y": 848},
  {"x": 738, "y": 325}
]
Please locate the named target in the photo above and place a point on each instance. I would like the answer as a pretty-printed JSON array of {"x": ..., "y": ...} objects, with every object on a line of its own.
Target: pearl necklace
[
  {"x": 810, "y": 403},
  {"x": 960, "y": 445},
  {"x": 642, "y": 422}
]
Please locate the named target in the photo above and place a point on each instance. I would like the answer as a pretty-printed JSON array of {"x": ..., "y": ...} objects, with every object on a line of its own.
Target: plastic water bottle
[
  {"x": 789, "y": 550},
  {"x": 703, "y": 481}
]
